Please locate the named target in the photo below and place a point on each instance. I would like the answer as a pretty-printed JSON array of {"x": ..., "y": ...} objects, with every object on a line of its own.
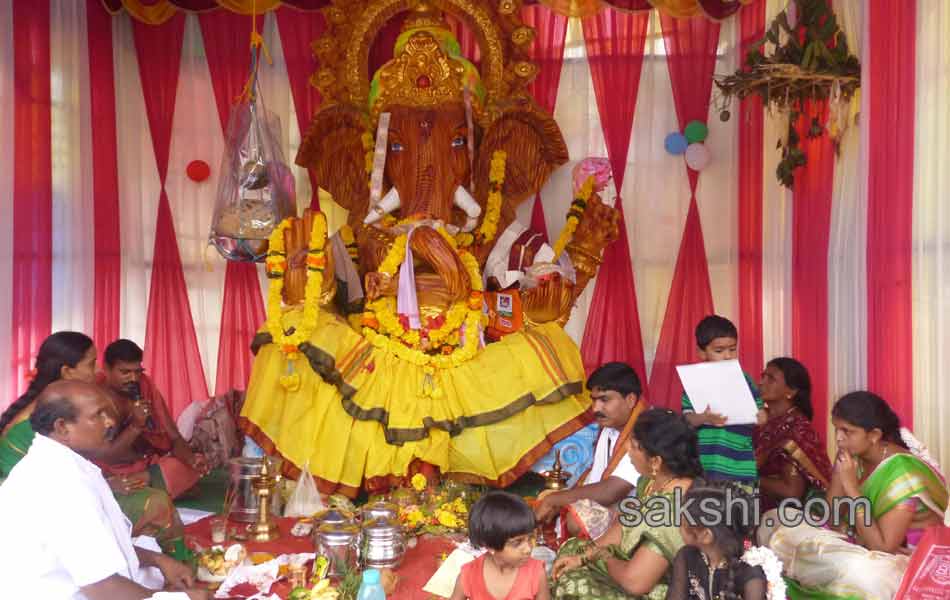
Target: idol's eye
[
  {"x": 395, "y": 147},
  {"x": 458, "y": 142}
]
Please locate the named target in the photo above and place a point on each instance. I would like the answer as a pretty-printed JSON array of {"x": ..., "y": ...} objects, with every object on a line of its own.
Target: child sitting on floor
[
  {"x": 718, "y": 521},
  {"x": 503, "y": 524}
]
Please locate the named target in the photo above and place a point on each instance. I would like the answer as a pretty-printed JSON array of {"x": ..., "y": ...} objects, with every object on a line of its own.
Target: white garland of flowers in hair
[
  {"x": 760, "y": 556},
  {"x": 918, "y": 449}
]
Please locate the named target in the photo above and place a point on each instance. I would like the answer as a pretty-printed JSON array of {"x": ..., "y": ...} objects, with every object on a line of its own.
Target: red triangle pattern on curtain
[
  {"x": 105, "y": 177},
  {"x": 171, "y": 347},
  {"x": 691, "y": 57},
  {"x": 297, "y": 31},
  {"x": 547, "y": 51},
  {"x": 811, "y": 231},
  {"x": 227, "y": 47},
  {"x": 615, "y": 43}
]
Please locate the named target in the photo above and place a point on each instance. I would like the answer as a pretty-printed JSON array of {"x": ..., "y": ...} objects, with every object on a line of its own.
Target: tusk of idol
[
  {"x": 465, "y": 201},
  {"x": 388, "y": 204}
]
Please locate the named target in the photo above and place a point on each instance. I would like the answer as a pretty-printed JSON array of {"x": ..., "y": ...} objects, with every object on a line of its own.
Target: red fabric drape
[
  {"x": 382, "y": 48},
  {"x": 892, "y": 26},
  {"x": 547, "y": 52},
  {"x": 466, "y": 38},
  {"x": 691, "y": 57},
  {"x": 32, "y": 285},
  {"x": 297, "y": 31},
  {"x": 811, "y": 225},
  {"x": 752, "y": 26},
  {"x": 171, "y": 347},
  {"x": 615, "y": 44},
  {"x": 105, "y": 177},
  {"x": 227, "y": 46}
]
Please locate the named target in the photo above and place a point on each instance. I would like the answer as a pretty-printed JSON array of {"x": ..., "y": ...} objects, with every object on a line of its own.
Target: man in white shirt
[
  {"x": 65, "y": 537},
  {"x": 585, "y": 510}
]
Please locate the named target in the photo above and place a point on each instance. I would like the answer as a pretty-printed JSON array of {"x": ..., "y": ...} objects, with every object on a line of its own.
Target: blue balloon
[{"x": 676, "y": 143}]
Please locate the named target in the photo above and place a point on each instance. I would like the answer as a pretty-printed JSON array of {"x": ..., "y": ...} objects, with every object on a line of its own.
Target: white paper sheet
[
  {"x": 722, "y": 387},
  {"x": 442, "y": 583}
]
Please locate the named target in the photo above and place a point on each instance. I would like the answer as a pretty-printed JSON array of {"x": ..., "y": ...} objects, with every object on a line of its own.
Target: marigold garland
[
  {"x": 369, "y": 151},
  {"x": 276, "y": 267},
  {"x": 349, "y": 240},
  {"x": 574, "y": 216},
  {"x": 496, "y": 179}
]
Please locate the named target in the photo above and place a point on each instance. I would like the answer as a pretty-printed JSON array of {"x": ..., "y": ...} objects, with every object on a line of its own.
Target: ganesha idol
[{"x": 427, "y": 333}]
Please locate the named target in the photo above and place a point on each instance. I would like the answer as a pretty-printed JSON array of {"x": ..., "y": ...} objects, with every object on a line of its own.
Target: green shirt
[{"x": 726, "y": 452}]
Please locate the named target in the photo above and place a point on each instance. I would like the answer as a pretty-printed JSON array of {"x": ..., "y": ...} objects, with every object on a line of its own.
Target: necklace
[{"x": 654, "y": 489}]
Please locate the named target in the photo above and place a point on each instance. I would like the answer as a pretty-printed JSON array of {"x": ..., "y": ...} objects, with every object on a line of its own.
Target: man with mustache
[
  {"x": 148, "y": 450},
  {"x": 65, "y": 537},
  {"x": 587, "y": 510}
]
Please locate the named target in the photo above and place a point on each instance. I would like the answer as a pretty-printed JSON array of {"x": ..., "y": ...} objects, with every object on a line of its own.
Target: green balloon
[{"x": 696, "y": 131}]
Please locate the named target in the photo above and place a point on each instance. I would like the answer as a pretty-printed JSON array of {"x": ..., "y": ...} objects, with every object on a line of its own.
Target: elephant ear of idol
[
  {"x": 535, "y": 148},
  {"x": 333, "y": 149}
]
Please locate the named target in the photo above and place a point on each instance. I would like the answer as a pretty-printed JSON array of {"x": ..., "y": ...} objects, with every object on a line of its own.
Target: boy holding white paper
[{"x": 725, "y": 450}]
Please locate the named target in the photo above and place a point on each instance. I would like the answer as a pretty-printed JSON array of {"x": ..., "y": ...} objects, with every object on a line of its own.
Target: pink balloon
[{"x": 697, "y": 156}]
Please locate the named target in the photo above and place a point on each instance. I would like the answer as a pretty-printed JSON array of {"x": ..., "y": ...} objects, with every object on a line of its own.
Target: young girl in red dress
[{"x": 503, "y": 524}]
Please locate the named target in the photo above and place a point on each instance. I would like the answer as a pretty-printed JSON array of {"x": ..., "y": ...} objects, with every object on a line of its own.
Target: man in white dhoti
[
  {"x": 588, "y": 509},
  {"x": 65, "y": 537}
]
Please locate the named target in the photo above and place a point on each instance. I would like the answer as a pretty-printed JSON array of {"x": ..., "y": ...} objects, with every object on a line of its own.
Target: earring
[{"x": 653, "y": 472}]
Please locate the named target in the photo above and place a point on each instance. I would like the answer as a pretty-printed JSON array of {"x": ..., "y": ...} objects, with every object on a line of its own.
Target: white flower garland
[
  {"x": 918, "y": 449},
  {"x": 760, "y": 556}
]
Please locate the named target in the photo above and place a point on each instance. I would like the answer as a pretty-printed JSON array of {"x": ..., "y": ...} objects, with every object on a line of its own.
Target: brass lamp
[{"x": 264, "y": 529}]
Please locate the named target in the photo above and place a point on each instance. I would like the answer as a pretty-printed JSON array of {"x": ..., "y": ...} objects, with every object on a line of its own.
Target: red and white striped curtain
[{"x": 102, "y": 231}]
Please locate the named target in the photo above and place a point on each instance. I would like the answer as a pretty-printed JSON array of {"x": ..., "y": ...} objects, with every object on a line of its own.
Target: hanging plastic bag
[
  {"x": 305, "y": 501},
  {"x": 256, "y": 188}
]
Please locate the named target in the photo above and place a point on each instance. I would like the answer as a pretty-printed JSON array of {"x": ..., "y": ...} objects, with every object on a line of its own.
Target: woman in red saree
[{"x": 791, "y": 459}]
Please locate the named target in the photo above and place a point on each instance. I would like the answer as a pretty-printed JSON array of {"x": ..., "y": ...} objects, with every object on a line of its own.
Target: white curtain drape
[
  {"x": 73, "y": 203},
  {"x": 576, "y": 114},
  {"x": 656, "y": 191},
  {"x": 6, "y": 195},
  {"x": 776, "y": 234},
  {"x": 718, "y": 193},
  {"x": 847, "y": 248},
  {"x": 197, "y": 135},
  {"x": 931, "y": 259}
]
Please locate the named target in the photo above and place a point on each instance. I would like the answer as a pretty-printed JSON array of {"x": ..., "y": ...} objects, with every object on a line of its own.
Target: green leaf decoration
[{"x": 797, "y": 71}]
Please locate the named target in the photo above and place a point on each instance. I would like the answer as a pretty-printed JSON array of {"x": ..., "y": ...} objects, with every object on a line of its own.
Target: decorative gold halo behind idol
[{"x": 506, "y": 68}]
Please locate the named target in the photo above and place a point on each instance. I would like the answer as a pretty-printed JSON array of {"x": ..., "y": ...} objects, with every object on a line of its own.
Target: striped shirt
[{"x": 726, "y": 452}]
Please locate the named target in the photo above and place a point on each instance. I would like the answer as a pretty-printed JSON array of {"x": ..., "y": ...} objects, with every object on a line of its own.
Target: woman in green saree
[
  {"x": 632, "y": 559},
  {"x": 72, "y": 356},
  {"x": 879, "y": 461}
]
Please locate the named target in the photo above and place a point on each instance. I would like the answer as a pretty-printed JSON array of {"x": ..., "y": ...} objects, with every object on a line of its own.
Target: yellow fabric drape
[
  {"x": 153, "y": 14},
  {"x": 249, "y": 7},
  {"x": 159, "y": 12},
  {"x": 574, "y": 8}
]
